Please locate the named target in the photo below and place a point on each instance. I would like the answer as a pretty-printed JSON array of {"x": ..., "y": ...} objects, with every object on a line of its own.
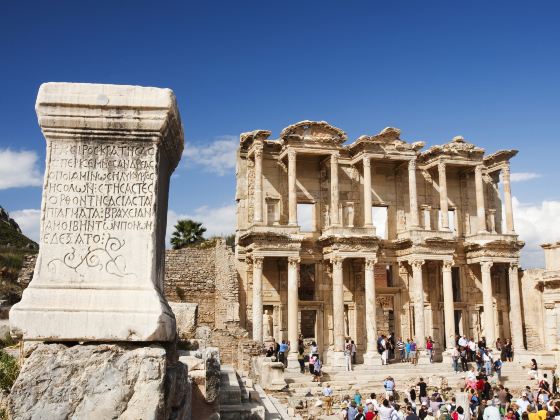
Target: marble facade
[{"x": 353, "y": 240}]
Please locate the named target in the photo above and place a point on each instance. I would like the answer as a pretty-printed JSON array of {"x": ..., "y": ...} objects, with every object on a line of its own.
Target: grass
[{"x": 9, "y": 370}]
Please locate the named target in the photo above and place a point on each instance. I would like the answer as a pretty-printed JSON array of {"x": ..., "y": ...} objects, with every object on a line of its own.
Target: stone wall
[
  {"x": 532, "y": 304},
  {"x": 190, "y": 276}
]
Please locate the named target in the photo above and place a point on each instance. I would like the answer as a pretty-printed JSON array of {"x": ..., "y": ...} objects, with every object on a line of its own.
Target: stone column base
[
  {"x": 336, "y": 360},
  {"x": 293, "y": 364},
  {"x": 447, "y": 357},
  {"x": 423, "y": 358},
  {"x": 372, "y": 358}
]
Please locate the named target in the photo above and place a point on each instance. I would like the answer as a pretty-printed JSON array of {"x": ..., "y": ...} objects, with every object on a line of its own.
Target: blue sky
[{"x": 489, "y": 71}]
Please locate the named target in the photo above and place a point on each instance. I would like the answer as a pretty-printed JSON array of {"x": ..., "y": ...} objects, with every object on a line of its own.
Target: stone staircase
[
  {"x": 368, "y": 380},
  {"x": 241, "y": 399}
]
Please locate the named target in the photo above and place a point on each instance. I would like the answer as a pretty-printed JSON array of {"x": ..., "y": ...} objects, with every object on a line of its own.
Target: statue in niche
[
  {"x": 349, "y": 216},
  {"x": 267, "y": 325},
  {"x": 346, "y": 324}
]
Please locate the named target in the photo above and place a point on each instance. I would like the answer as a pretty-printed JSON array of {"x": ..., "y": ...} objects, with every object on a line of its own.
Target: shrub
[
  {"x": 180, "y": 292},
  {"x": 9, "y": 370}
]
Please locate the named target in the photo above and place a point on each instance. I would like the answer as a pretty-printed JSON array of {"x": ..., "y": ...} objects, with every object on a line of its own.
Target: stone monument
[{"x": 99, "y": 274}]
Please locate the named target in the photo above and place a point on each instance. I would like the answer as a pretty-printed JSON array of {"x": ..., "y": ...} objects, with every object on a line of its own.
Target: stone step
[{"x": 230, "y": 391}]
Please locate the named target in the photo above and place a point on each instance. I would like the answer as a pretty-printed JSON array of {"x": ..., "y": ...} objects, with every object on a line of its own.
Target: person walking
[
  {"x": 317, "y": 370},
  {"x": 413, "y": 354},
  {"x": 328, "y": 399},
  {"x": 282, "y": 353},
  {"x": 407, "y": 349}
]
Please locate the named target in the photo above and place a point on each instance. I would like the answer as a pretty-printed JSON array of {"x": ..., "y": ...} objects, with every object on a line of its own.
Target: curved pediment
[{"x": 318, "y": 131}]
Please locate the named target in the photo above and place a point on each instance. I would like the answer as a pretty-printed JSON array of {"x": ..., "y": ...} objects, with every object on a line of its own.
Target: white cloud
[
  {"x": 19, "y": 169},
  {"x": 536, "y": 224},
  {"x": 217, "y": 157},
  {"x": 523, "y": 176},
  {"x": 217, "y": 221},
  {"x": 28, "y": 220}
]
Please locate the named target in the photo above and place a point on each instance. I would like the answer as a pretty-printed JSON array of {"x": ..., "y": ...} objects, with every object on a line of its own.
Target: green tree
[{"x": 187, "y": 232}]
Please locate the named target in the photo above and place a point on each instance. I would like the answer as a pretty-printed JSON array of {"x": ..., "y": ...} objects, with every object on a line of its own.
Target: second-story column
[
  {"x": 443, "y": 203},
  {"x": 258, "y": 217},
  {"x": 367, "y": 192},
  {"x": 414, "y": 222},
  {"x": 488, "y": 303},
  {"x": 516, "y": 322},
  {"x": 293, "y": 309},
  {"x": 292, "y": 194},
  {"x": 334, "y": 190},
  {"x": 508, "y": 204},
  {"x": 338, "y": 304},
  {"x": 448, "y": 305},
  {"x": 418, "y": 292},
  {"x": 257, "y": 299},
  {"x": 480, "y": 205}
]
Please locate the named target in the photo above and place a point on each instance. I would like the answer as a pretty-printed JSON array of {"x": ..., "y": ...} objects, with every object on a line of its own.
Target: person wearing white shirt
[
  {"x": 463, "y": 341},
  {"x": 523, "y": 403},
  {"x": 491, "y": 412}
]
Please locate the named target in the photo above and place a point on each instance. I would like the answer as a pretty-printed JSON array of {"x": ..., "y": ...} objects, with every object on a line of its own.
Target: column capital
[
  {"x": 486, "y": 265},
  {"x": 293, "y": 261},
  {"x": 291, "y": 154},
  {"x": 447, "y": 265},
  {"x": 337, "y": 262},
  {"x": 334, "y": 157},
  {"x": 478, "y": 169},
  {"x": 514, "y": 266},
  {"x": 506, "y": 170},
  {"x": 412, "y": 164},
  {"x": 258, "y": 262},
  {"x": 258, "y": 150},
  {"x": 441, "y": 166},
  {"x": 370, "y": 263},
  {"x": 417, "y": 264},
  {"x": 366, "y": 161}
]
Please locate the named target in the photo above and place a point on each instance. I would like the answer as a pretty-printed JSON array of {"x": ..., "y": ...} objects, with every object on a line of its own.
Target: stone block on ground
[
  {"x": 185, "y": 318},
  {"x": 102, "y": 381}
]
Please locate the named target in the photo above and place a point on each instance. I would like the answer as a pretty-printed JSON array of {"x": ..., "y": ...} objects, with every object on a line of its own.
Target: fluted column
[
  {"x": 367, "y": 193},
  {"x": 448, "y": 305},
  {"x": 257, "y": 299},
  {"x": 488, "y": 303},
  {"x": 258, "y": 217},
  {"x": 510, "y": 228},
  {"x": 516, "y": 322},
  {"x": 334, "y": 190},
  {"x": 338, "y": 304},
  {"x": 293, "y": 302},
  {"x": 443, "y": 203},
  {"x": 292, "y": 195},
  {"x": 418, "y": 291},
  {"x": 480, "y": 205},
  {"x": 414, "y": 222},
  {"x": 371, "y": 305}
]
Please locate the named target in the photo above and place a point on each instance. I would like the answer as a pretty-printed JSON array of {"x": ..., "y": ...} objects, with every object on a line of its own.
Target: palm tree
[{"x": 187, "y": 232}]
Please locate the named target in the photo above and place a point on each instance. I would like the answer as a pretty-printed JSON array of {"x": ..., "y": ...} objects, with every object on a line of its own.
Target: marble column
[
  {"x": 480, "y": 205},
  {"x": 367, "y": 193},
  {"x": 292, "y": 194},
  {"x": 338, "y": 304},
  {"x": 334, "y": 190},
  {"x": 510, "y": 228},
  {"x": 418, "y": 292},
  {"x": 257, "y": 299},
  {"x": 414, "y": 221},
  {"x": 443, "y": 203},
  {"x": 515, "y": 319},
  {"x": 258, "y": 201},
  {"x": 488, "y": 302},
  {"x": 293, "y": 310},
  {"x": 448, "y": 305},
  {"x": 371, "y": 357}
]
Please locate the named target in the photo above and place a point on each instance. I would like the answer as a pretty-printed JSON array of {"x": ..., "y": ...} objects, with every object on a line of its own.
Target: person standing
[
  {"x": 407, "y": 349},
  {"x": 423, "y": 394},
  {"x": 353, "y": 352},
  {"x": 385, "y": 411},
  {"x": 389, "y": 385},
  {"x": 430, "y": 348},
  {"x": 455, "y": 356},
  {"x": 328, "y": 399},
  {"x": 348, "y": 355},
  {"x": 301, "y": 359},
  {"x": 413, "y": 356},
  {"x": 401, "y": 349},
  {"x": 317, "y": 370},
  {"x": 282, "y": 353},
  {"x": 487, "y": 363},
  {"x": 385, "y": 353}
]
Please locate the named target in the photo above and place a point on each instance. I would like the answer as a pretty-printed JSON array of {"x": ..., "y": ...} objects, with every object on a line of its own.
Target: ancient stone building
[{"x": 339, "y": 240}]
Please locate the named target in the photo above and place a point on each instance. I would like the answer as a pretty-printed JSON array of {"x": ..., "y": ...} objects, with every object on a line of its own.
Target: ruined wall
[
  {"x": 190, "y": 276},
  {"x": 532, "y": 304}
]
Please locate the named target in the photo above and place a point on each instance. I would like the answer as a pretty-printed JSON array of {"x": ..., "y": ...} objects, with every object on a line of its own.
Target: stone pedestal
[
  {"x": 99, "y": 274},
  {"x": 293, "y": 363},
  {"x": 423, "y": 358},
  {"x": 372, "y": 359},
  {"x": 336, "y": 359}
]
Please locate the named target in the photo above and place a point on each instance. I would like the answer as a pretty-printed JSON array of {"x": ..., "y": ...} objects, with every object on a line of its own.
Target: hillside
[{"x": 14, "y": 246}]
